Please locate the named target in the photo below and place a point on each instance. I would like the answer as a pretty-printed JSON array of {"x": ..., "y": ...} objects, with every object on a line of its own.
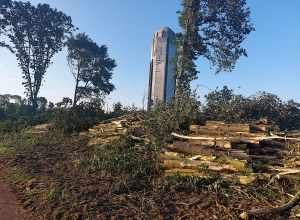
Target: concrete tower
[{"x": 161, "y": 84}]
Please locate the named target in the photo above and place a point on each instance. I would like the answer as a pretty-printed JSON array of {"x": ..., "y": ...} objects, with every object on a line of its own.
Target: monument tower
[{"x": 161, "y": 83}]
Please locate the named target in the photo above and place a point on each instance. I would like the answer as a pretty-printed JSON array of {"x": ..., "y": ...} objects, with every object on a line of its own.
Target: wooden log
[
  {"x": 212, "y": 143},
  {"x": 224, "y": 144},
  {"x": 162, "y": 157},
  {"x": 194, "y": 128},
  {"x": 239, "y": 165},
  {"x": 253, "y": 138},
  {"x": 260, "y": 128},
  {"x": 221, "y": 126},
  {"x": 290, "y": 204},
  {"x": 263, "y": 157},
  {"x": 240, "y": 155},
  {"x": 185, "y": 172},
  {"x": 185, "y": 147},
  {"x": 172, "y": 154},
  {"x": 271, "y": 143},
  {"x": 262, "y": 151},
  {"x": 239, "y": 146},
  {"x": 197, "y": 165},
  {"x": 279, "y": 175},
  {"x": 209, "y": 143},
  {"x": 188, "y": 164},
  {"x": 226, "y": 133}
]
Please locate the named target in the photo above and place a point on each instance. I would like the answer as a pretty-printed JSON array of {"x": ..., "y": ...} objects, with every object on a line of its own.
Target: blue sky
[{"x": 127, "y": 27}]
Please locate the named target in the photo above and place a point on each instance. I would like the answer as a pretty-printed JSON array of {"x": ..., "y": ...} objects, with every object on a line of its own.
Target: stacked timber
[
  {"x": 223, "y": 147},
  {"x": 111, "y": 129}
]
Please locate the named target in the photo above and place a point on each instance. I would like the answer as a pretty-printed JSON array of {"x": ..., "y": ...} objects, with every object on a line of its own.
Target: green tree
[
  {"x": 35, "y": 34},
  {"x": 91, "y": 67},
  {"x": 42, "y": 103},
  {"x": 213, "y": 29},
  {"x": 218, "y": 104}
]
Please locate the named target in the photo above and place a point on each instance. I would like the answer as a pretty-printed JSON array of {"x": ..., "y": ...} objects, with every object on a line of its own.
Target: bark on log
[
  {"x": 212, "y": 143},
  {"x": 253, "y": 139},
  {"x": 209, "y": 143},
  {"x": 271, "y": 143},
  {"x": 188, "y": 164},
  {"x": 186, "y": 172},
  {"x": 221, "y": 126},
  {"x": 240, "y": 155},
  {"x": 290, "y": 204},
  {"x": 263, "y": 157},
  {"x": 185, "y": 147},
  {"x": 198, "y": 165}
]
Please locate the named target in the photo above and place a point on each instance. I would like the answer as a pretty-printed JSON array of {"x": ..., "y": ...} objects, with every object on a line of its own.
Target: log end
[{"x": 244, "y": 215}]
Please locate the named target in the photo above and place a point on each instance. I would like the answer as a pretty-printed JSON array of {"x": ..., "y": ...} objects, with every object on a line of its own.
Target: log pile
[
  {"x": 227, "y": 148},
  {"x": 110, "y": 130}
]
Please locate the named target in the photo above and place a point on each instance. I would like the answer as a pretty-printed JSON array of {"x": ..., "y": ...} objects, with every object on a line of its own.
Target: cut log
[
  {"x": 212, "y": 143},
  {"x": 290, "y": 204},
  {"x": 185, "y": 147},
  {"x": 263, "y": 157},
  {"x": 162, "y": 157},
  {"x": 232, "y": 127},
  {"x": 185, "y": 172},
  {"x": 240, "y": 155},
  {"x": 262, "y": 151},
  {"x": 260, "y": 128},
  {"x": 239, "y": 165},
  {"x": 279, "y": 175},
  {"x": 239, "y": 138},
  {"x": 188, "y": 164},
  {"x": 271, "y": 143},
  {"x": 239, "y": 146},
  {"x": 209, "y": 143},
  {"x": 172, "y": 154},
  {"x": 198, "y": 165}
]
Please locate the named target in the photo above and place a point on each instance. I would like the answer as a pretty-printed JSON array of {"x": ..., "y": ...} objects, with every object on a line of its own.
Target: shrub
[
  {"x": 173, "y": 116},
  {"x": 76, "y": 119}
]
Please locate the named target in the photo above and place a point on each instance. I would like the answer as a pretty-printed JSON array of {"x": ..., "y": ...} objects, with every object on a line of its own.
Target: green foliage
[
  {"x": 122, "y": 159},
  {"x": 173, "y": 116},
  {"x": 262, "y": 108},
  {"x": 91, "y": 67},
  {"x": 15, "y": 113},
  {"x": 213, "y": 29},
  {"x": 188, "y": 184},
  {"x": 75, "y": 119},
  {"x": 119, "y": 109},
  {"x": 12, "y": 107},
  {"x": 35, "y": 35}
]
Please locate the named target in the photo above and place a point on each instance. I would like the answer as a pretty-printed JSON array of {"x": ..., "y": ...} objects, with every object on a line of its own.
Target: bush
[
  {"x": 76, "y": 119},
  {"x": 173, "y": 116},
  {"x": 262, "y": 108}
]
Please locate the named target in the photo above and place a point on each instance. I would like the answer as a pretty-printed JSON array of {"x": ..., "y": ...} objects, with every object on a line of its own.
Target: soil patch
[{"x": 10, "y": 207}]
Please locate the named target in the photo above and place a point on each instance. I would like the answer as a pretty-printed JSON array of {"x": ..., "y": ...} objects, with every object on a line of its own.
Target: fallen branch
[{"x": 290, "y": 204}]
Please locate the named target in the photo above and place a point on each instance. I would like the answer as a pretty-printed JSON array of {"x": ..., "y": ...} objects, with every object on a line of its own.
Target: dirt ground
[
  {"x": 59, "y": 179},
  {"x": 10, "y": 207}
]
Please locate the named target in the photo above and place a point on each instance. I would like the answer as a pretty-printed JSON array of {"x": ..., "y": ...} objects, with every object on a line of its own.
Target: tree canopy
[
  {"x": 91, "y": 67},
  {"x": 35, "y": 34},
  {"x": 213, "y": 29}
]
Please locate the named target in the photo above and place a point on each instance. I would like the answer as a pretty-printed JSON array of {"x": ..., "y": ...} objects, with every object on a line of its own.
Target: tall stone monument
[{"x": 161, "y": 83}]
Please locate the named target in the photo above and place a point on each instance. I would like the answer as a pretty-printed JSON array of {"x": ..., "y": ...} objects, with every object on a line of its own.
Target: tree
[
  {"x": 91, "y": 67},
  {"x": 35, "y": 35},
  {"x": 213, "y": 29}
]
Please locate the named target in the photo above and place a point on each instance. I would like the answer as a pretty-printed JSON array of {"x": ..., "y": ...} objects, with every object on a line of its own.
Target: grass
[{"x": 53, "y": 173}]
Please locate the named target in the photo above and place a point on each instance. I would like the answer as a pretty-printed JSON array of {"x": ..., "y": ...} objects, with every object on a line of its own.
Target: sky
[{"x": 127, "y": 28}]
